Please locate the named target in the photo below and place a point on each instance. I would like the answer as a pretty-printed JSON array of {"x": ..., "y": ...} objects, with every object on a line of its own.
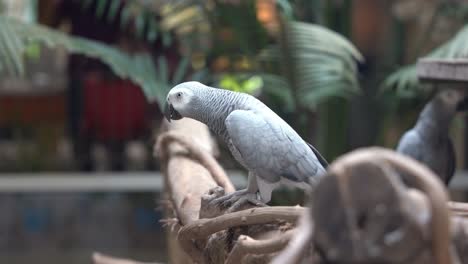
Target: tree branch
[
  {"x": 246, "y": 245},
  {"x": 421, "y": 178},
  {"x": 459, "y": 209},
  {"x": 186, "y": 180},
  {"x": 197, "y": 152},
  {"x": 99, "y": 258},
  {"x": 298, "y": 245},
  {"x": 204, "y": 227}
]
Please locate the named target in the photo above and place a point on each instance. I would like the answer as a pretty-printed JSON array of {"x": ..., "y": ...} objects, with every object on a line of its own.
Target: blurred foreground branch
[
  {"x": 386, "y": 208},
  {"x": 99, "y": 258}
]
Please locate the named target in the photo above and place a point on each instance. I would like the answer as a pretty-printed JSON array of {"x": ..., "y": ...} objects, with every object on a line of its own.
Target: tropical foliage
[
  {"x": 405, "y": 80},
  {"x": 15, "y": 37},
  {"x": 316, "y": 64}
]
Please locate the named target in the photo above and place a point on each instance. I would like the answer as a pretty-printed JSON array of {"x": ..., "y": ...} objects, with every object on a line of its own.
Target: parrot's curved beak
[{"x": 170, "y": 113}]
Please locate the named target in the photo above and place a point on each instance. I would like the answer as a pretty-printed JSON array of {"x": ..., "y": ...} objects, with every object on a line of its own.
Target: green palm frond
[
  {"x": 317, "y": 64},
  {"x": 15, "y": 37},
  {"x": 405, "y": 80},
  {"x": 138, "y": 15},
  {"x": 181, "y": 17}
]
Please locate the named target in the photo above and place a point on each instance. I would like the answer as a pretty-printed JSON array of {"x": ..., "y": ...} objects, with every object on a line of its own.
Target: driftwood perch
[
  {"x": 209, "y": 234},
  {"x": 99, "y": 258},
  {"x": 186, "y": 180}
]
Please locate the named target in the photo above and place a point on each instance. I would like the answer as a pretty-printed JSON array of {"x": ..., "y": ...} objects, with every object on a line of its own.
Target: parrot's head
[
  {"x": 180, "y": 99},
  {"x": 452, "y": 101}
]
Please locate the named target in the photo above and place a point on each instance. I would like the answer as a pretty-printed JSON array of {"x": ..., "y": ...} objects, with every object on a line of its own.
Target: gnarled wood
[
  {"x": 300, "y": 243},
  {"x": 442, "y": 70},
  {"x": 185, "y": 178},
  {"x": 246, "y": 245},
  {"x": 193, "y": 179},
  {"x": 417, "y": 176}
]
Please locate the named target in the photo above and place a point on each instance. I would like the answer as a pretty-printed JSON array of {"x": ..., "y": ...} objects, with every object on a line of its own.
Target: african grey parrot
[
  {"x": 429, "y": 141},
  {"x": 257, "y": 137}
]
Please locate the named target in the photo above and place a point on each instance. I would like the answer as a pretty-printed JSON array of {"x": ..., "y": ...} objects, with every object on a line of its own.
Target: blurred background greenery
[
  {"x": 83, "y": 81},
  {"x": 341, "y": 72}
]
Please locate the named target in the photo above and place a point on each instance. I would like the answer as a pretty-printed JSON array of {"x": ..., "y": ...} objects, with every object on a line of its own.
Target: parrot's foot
[{"x": 238, "y": 200}]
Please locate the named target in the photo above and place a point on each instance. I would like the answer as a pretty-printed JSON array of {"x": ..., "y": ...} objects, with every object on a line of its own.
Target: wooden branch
[
  {"x": 192, "y": 176},
  {"x": 459, "y": 209},
  {"x": 446, "y": 70},
  {"x": 246, "y": 245},
  {"x": 99, "y": 258},
  {"x": 300, "y": 242},
  {"x": 420, "y": 177},
  {"x": 199, "y": 153},
  {"x": 186, "y": 179},
  {"x": 204, "y": 227},
  {"x": 460, "y": 237}
]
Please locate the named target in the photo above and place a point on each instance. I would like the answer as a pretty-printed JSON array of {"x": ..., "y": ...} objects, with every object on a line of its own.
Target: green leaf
[
  {"x": 405, "y": 82},
  {"x": 163, "y": 69},
  {"x": 316, "y": 63},
  {"x": 278, "y": 86},
  {"x": 166, "y": 39},
  {"x": 113, "y": 10},
  {"x": 140, "y": 26},
  {"x": 101, "y": 7},
  {"x": 125, "y": 16},
  {"x": 200, "y": 75},
  {"x": 33, "y": 51},
  {"x": 286, "y": 7},
  {"x": 252, "y": 84},
  {"x": 181, "y": 70},
  {"x": 228, "y": 82},
  {"x": 152, "y": 32},
  {"x": 16, "y": 36},
  {"x": 12, "y": 50}
]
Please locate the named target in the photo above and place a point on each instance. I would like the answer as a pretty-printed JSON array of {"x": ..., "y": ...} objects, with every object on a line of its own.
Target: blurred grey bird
[
  {"x": 429, "y": 141},
  {"x": 257, "y": 137}
]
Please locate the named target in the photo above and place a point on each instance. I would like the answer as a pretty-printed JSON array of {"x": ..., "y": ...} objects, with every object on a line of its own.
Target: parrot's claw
[
  {"x": 244, "y": 203},
  {"x": 238, "y": 199}
]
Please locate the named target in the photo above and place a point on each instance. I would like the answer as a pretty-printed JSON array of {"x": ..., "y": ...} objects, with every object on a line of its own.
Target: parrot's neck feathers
[
  {"x": 216, "y": 105},
  {"x": 432, "y": 122}
]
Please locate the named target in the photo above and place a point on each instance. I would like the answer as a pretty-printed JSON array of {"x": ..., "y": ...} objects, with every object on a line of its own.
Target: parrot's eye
[{"x": 179, "y": 94}]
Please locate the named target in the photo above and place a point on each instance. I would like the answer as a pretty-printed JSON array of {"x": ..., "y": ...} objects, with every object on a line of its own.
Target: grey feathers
[
  {"x": 428, "y": 141},
  {"x": 269, "y": 148},
  {"x": 257, "y": 137}
]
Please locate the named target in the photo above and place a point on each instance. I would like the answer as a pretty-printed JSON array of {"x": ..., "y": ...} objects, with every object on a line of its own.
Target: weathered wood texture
[
  {"x": 205, "y": 232},
  {"x": 442, "y": 70},
  {"x": 377, "y": 206},
  {"x": 186, "y": 180},
  {"x": 99, "y": 258}
]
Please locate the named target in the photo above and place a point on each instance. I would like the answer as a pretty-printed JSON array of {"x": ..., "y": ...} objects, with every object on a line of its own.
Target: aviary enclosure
[{"x": 332, "y": 69}]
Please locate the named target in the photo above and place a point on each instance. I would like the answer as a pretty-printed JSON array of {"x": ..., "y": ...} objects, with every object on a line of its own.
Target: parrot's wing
[
  {"x": 451, "y": 161},
  {"x": 411, "y": 145},
  {"x": 270, "y": 148}
]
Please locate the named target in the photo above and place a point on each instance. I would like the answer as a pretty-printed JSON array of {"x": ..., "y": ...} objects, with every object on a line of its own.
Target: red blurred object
[
  {"x": 114, "y": 109},
  {"x": 30, "y": 109}
]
